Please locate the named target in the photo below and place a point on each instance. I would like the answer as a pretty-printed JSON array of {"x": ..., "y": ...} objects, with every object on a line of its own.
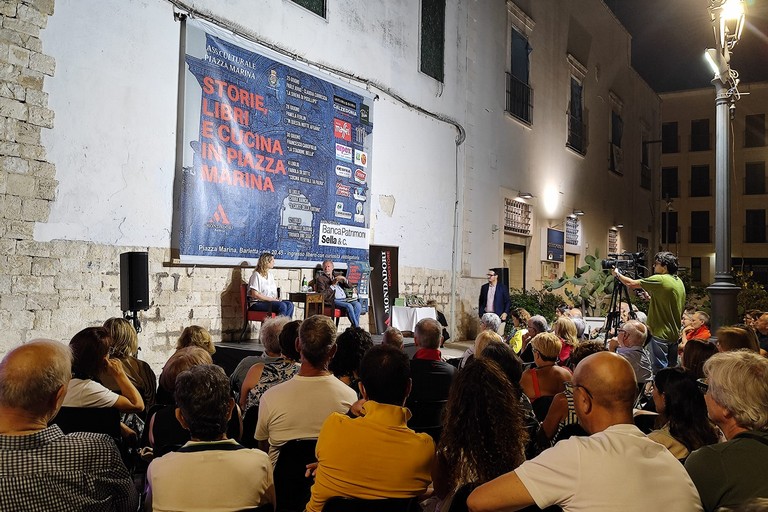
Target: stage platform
[{"x": 228, "y": 355}]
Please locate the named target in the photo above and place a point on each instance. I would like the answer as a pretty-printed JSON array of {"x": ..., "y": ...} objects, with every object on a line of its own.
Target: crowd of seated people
[{"x": 490, "y": 433}]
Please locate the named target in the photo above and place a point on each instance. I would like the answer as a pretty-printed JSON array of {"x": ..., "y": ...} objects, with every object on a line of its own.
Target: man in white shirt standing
[{"x": 575, "y": 474}]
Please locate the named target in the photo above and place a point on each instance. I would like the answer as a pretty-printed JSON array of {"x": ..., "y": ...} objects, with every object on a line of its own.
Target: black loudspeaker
[
  {"x": 134, "y": 281},
  {"x": 503, "y": 274}
]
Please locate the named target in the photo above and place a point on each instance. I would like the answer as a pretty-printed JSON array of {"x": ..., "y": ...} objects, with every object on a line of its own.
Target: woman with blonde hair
[
  {"x": 262, "y": 289},
  {"x": 542, "y": 383},
  {"x": 196, "y": 336},
  {"x": 124, "y": 346},
  {"x": 565, "y": 329}
]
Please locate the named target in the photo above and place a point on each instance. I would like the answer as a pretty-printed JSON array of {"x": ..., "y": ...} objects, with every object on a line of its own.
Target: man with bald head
[
  {"x": 616, "y": 468},
  {"x": 43, "y": 469}
]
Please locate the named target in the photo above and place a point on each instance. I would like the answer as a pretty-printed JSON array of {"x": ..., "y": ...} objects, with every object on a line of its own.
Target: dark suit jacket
[{"x": 501, "y": 302}]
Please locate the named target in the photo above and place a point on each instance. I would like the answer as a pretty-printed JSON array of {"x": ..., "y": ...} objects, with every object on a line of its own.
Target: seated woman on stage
[{"x": 262, "y": 289}]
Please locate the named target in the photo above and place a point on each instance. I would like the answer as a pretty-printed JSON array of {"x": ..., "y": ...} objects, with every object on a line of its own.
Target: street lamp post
[{"x": 727, "y": 20}]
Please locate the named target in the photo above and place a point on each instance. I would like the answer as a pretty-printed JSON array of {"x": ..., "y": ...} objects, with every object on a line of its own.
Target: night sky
[{"x": 669, "y": 38}]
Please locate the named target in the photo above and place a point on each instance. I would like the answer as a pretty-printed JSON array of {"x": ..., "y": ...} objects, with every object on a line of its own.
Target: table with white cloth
[{"x": 405, "y": 318}]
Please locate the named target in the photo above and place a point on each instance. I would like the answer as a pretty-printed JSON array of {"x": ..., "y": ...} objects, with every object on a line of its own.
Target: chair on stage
[
  {"x": 335, "y": 313},
  {"x": 251, "y": 316}
]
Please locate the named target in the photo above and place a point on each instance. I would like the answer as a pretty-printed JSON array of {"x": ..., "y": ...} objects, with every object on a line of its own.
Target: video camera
[{"x": 631, "y": 264}]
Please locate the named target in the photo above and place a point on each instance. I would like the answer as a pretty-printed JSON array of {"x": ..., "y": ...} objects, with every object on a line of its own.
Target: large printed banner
[{"x": 276, "y": 157}]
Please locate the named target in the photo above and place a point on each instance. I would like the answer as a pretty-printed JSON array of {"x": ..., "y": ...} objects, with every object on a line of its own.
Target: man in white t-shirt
[
  {"x": 616, "y": 468},
  {"x": 297, "y": 409}
]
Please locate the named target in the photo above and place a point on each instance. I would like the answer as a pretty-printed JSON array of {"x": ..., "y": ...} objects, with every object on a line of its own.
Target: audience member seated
[
  {"x": 374, "y": 456},
  {"x": 760, "y": 326},
  {"x": 736, "y": 338},
  {"x": 43, "y": 469},
  {"x": 268, "y": 335},
  {"x": 296, "y": 409},
  {"x": 263, "y": 376},
  {"x": 187, "y": 358},
  {"x": 514, "y": 330},
  {"x": 751, "y": 316},
  {"x": 629, "y": 345},
  {"x": 262, "y": 289},
  {"x": 165, "y": 432},
  {"x": 431, "y": 379},
  {"x": 192, "y": 336},
  {"x": 512, "y": 366},
  {"x": 124, "y": 346},
  {"x": 393, "y": 336},
  {"x": 210, "y": 472},
  {"x": 561, "y": 421},
  {"x": 572, "y": 474},
  {"x": 731, "y": 473},
  {"x": 481, "y": 340},
  {"x": 565, "y": 329},
  {"x": 484, "y": 434},
  {"x": 683, "y": 413},
  {"x": 537, "y": 324},
  {"x": 351, "y": 346},
  {"x": 90, "y": 351},
  {"x": 542, "y": 383},
  {"x": 695, "y": 355},
  {"x": 697, "y": 329}
]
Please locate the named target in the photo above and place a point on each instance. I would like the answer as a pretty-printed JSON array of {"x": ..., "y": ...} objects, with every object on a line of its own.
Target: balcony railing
[
  {"x": 645, "y": 176},
  {"x": 577, "y": 134},
  {"x": 755, "y": 234},
  {"x": 754, "y": 187},
  {"x": 671, "y": 144},
  {"x": 519, "y": 99},
  {"x": 700, "y": 142},
  {"x": 699, "y": 189},
  {"x": 700, "y": 234}
]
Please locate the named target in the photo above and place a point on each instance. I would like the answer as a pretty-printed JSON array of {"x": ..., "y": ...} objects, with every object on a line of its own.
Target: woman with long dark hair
[
  {"x": 681, "y": 405},
  {"x": 483, "y": 435}
]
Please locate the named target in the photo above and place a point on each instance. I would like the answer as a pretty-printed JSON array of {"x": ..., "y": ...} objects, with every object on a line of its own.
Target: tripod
[{"x": 613, "y": 318}]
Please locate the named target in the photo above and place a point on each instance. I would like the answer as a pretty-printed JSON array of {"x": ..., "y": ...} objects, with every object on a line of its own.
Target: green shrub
[{"x": 536, "y": 302}]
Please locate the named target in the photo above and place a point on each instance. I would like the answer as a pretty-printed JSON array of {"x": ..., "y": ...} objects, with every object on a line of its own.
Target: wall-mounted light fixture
[
  {"x": 494, "y": 228},
  {"x": 525, "y": 195},
  {"x": 619, "y": 225}
]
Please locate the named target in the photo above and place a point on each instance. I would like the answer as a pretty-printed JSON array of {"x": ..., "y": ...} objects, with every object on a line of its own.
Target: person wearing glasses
[
  {"x": 628, "y": 343},
  {"x": 572, "y": 474},
  {"x": 494, "y": 297},
  {"x": 731, "y": 473}
]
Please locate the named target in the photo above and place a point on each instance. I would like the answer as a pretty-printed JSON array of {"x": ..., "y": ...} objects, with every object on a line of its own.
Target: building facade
[
  {"x": 495, "y": 121},
  {"x": 687, "y": 189}
]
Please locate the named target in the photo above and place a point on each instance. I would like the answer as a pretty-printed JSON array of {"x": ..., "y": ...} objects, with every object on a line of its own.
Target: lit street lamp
[{"x": 727, "y": 22}]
